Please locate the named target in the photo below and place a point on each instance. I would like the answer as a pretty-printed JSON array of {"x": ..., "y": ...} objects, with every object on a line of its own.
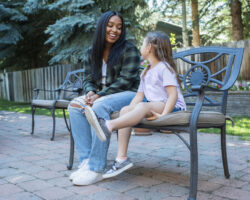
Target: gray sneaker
[
  {"x": 117, "y": 168},
  {"x": 98, "y": 124}
]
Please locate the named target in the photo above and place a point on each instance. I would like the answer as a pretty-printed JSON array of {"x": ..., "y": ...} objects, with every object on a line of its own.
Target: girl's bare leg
[
  {"x": 135, "y": 115},
  {"x": 124, "y": 136},
  {"x": 123, "y": 141}
]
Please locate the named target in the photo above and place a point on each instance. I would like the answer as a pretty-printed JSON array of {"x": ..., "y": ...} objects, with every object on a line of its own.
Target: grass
[
  {"x": 26, "y": 108},
  {"x": 241, "y": 127}
]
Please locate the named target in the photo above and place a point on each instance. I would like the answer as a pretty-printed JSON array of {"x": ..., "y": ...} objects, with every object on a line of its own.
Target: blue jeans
[{"x": 86, "y": 142}]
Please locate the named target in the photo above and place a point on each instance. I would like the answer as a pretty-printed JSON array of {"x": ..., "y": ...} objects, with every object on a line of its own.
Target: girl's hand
[{"x": 154, "y": 116}]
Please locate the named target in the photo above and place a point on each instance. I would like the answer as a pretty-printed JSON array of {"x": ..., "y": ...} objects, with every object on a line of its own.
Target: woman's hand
[
  {"x": 154, "y": 116},
  {"x": 93, "y": 98},
  {"x": 88, "y": 98}
]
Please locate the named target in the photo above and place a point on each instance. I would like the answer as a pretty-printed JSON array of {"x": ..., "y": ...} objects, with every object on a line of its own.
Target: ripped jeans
[{"x": 86, "y": 142}]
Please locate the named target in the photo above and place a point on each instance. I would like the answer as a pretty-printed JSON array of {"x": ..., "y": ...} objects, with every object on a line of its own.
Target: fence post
[{"x": 6, "y": 84}]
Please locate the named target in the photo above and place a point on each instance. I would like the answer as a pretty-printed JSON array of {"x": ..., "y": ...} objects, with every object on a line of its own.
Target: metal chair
[
  {"x": 202, "y": 75},
  {"x": 71, "y": 87}
]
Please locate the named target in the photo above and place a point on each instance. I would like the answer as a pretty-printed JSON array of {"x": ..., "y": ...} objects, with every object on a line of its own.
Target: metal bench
[
  {"x": 217, "y": 73},
  {"x": 59, "y": 98}
]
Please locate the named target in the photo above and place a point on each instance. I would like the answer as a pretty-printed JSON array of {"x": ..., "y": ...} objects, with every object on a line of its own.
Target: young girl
[{"x": 158, "y": 94}]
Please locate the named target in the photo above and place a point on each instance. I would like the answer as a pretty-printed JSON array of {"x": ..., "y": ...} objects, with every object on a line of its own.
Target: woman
[{"x": 111, "y": 76}]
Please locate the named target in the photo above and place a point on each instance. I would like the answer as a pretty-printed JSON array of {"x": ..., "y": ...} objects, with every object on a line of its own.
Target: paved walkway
[{"x": 33, "y": 167}]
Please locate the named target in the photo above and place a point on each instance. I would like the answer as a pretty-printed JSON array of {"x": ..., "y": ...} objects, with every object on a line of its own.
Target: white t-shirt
[
  {"x": 104, "y": 72},
  {"x": 154, "y": 83}
]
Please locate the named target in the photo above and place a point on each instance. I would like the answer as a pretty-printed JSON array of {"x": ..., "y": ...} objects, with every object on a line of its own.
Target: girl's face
[
  {"x": 113, "y": 29},
  {"x": 145, "y": 49}
]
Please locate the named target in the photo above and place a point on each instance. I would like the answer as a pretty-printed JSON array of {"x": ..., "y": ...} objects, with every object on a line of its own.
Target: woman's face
[{"x": 113, "y": 29}]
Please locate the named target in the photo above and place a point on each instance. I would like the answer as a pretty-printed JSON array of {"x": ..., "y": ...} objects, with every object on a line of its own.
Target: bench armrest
[{"x": 37, "y": 92}]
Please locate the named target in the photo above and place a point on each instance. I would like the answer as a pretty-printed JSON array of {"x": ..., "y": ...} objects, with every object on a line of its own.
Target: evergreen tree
[
  {"x": 11, "y": 29},
  {"x": 22, "y": 44},
  {"x": 72, "y": 35}
]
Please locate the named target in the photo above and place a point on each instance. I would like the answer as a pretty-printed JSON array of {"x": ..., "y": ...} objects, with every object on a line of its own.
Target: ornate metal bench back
[
  {"x": 201, "y": 73},
  {"x": 73, "y": 82}
]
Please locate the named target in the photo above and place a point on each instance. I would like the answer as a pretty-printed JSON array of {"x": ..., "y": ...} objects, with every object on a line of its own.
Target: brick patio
[{"x": 34, "y": 168}]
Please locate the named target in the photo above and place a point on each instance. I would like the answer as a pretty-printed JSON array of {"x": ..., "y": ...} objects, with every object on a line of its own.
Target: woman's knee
[
  {"x": 74, "y": 105},
  {"x": 77, "y": 103}
]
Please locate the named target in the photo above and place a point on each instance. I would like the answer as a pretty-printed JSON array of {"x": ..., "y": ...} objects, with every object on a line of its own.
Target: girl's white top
[{"x": 154, "y": 83}]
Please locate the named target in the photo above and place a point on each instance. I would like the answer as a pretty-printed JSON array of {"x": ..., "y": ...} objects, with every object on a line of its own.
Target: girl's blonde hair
[{"x": 162, "y": 49}]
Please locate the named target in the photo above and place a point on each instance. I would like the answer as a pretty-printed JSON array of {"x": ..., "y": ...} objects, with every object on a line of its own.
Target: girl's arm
[
  {"x": 172, "y": 98},
  {"x": 169, "y": 106},
  {"x": 138, "y": 98}
]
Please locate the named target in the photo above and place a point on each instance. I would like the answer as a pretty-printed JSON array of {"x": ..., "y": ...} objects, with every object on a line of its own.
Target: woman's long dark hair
[{"x": 99, "y": 44}]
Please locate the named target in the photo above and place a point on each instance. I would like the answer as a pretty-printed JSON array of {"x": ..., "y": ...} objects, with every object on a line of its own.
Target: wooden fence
[
  {"x": 245, "y": 66},
  {"x": 18, "y": 86}
]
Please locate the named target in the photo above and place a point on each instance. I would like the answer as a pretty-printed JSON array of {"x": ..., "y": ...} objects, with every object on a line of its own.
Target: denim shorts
[{"x": 176, "y": 108}]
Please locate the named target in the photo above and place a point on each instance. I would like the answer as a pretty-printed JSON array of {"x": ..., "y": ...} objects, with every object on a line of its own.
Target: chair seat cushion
[
  {"x": 63, "y": 104},
  {"x": 181, "y": 118},
  {"x": 206, "y": 119}
]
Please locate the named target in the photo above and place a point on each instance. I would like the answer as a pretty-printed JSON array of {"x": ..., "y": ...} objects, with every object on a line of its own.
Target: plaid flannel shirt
[{"x": 123, "y": 76}]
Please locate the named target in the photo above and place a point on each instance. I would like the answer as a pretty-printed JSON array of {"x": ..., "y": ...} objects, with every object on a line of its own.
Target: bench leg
[
  {"x": 71, "y": 154},
  {"x": 194, "y": 165},
  {"x": 33, "y": 109},
  {"x": 54, "y": 124},
  {"x": 65, "y": 119},
  {"x": 224, "y": 151}
]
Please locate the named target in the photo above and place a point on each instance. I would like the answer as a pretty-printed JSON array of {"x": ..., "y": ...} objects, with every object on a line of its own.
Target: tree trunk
[
  {"x": 195, "y": 23},
  {"x": 237, "y": 25},
  {"x": 184, "y": 24}
]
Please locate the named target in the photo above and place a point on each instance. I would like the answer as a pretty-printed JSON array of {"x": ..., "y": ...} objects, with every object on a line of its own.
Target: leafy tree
[
  {"x": 246, "y": 18},
  {"x": 176, "y": 12},
  {"x": 215, "y": 19}
]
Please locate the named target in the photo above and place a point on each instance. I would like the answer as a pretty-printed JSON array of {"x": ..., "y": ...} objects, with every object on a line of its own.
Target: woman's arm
[
  {"x": 128, "y": 74},
  {"x": 88, "y": 84}
]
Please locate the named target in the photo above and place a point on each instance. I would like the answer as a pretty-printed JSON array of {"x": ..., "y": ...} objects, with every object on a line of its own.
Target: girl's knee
[
  {"x": 141, "y": 105},
  {"x": 126, "y": 109}
]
